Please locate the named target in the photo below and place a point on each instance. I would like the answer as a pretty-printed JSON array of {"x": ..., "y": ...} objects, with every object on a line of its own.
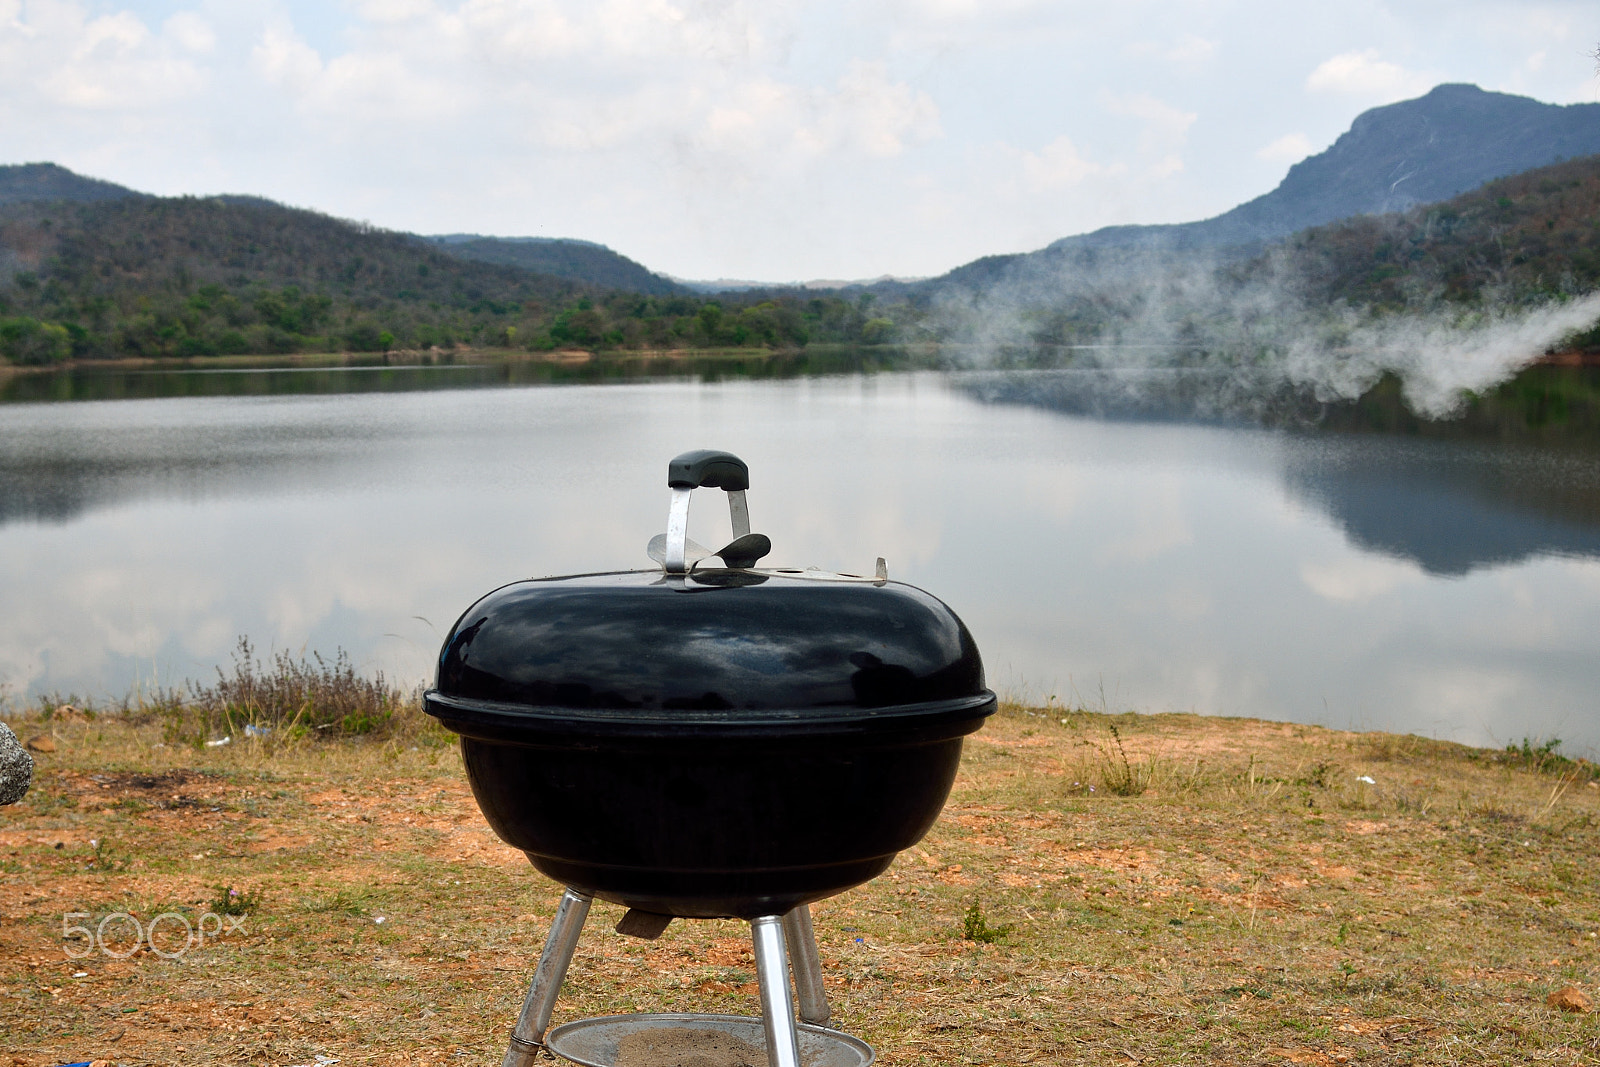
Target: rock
[
  {"x": 42, "y": 743},
  {"x": 1570, "y": 999},
  {"x": 68, "y": 713},
  {"x": 16, "y": 767}
]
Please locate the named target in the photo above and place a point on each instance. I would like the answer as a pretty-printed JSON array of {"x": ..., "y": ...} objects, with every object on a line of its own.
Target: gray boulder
[{"x": 16, "y": 767}]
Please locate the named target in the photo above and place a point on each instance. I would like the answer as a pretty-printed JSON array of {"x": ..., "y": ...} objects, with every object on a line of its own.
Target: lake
[{"x": 1444, "y": 587}]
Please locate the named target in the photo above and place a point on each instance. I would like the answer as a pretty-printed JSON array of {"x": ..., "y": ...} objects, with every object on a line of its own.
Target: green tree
[
  {"x": 877, "y": 331},
  {"x": 579, "y": 325},
  {"x": 27, "y": 340},
  {"x": 365, "y": 337}
]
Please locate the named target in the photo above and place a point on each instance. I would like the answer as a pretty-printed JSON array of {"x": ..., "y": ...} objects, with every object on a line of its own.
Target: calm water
[{"x": 1450, "y": 589}]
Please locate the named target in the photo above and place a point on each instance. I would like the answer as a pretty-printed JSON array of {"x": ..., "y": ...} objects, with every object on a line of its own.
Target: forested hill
[
  {"x": 1517, "y": 242},
  {"x": 150, "y": 276},
  {"x": 146, "y": 276},
  {"x": 155, "y": 277},
  {"x": 1530, "y": 237},
  {"x": 574, "y": 260},
  {"x": 561, "y": 258},
  {"x": 46, "y": 181}
]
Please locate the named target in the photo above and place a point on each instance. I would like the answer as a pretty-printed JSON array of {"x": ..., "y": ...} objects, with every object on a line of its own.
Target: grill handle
[{"x": 706, "y": 468}]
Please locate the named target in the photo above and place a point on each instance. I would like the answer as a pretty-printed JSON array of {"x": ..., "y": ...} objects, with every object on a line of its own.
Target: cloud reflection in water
[{"x": 1173, "y": 567}]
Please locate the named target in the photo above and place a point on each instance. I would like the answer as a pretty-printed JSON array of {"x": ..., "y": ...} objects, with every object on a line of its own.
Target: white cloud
[
  {"x": 1165, "y": 128},
  {"x": 1191, "y": 50},
  {"x": 871, "y": 114},
  {"x": 284, "y": 59},
  {"x": 968, "y": 10},
  {"x": 1363, "y": 73},
  {"x": 1151, "y": 528},
  {"x": 627, "y": 75},
  {"x": 190, "y": 31},
  {"x": 1159, "y": 116},
  {"x": 1167, "y": 166},
  {"x": 1188, "y": 51},
  {"x": 53, "y": 55},
  {"x": 1057, "y": 165},
  {"x": 864, "y": 114},
  {"x": 1290, "y": 148},
  {"x": 368, "y": 87},
  {"x": 1358, "y": 578},
  {"x": 389, "y": 11}
]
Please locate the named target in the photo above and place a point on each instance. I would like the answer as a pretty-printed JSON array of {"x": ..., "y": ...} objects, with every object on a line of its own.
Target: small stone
[
  {"x": 16, "y": 767},
  {"x": 42, "y": 743},
  {"x": 1570, "y": 999}
]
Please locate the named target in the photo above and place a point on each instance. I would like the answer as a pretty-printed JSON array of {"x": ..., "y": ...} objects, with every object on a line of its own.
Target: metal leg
[
  {"x": 802, "y": 944},
  {"x": 777, "y": 1009},
  {"x": 528, "y": 1037}
]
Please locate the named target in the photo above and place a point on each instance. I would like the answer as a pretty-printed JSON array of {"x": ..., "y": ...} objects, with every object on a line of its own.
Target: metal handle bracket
[{"x": 707, "y": 468}]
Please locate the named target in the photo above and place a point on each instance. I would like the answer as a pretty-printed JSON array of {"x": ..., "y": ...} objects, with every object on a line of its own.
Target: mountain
[
  {"x": 1525, "y": 239},
  {"x": 189, "y": 276},
  {"x": 206, "y": 276},
  {"x": 582, "y": 261},
  {"x": 1520, "y": 244},
  {"x": 1450, "y": 141},
  {"x": 46, "y": 181},
  {"x": 1415, "y": 152}
]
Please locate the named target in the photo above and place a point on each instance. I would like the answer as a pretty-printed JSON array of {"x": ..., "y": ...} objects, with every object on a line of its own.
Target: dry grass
[
  {"x": 293, "y": 696},
  {"x": 287, "y": 700},
  {"x": 1252, "y": 900}
]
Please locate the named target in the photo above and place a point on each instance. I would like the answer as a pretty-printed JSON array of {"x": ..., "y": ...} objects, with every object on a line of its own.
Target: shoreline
[
  {"x": 471, "y": 355},
  {"x": 461, "y": 354}
]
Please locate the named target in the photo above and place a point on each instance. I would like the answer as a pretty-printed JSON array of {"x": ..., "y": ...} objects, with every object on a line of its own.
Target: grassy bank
[{"x": 1100, "y": 890}]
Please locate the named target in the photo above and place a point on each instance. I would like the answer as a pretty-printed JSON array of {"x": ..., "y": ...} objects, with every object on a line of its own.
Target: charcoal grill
[{"x": 708, "y": 738}]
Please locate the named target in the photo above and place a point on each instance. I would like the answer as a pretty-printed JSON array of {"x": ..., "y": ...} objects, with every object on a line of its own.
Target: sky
[{"x": 768, "y": 140}]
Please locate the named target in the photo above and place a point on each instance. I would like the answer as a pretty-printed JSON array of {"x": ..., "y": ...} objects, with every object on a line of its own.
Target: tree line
[
  {"x": 198, "y": 277},
  {"x": 193, "y": 277}
]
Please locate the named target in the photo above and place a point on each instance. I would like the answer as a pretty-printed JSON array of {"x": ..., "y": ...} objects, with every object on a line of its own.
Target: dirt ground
[{"x": 1181, "y": 890}]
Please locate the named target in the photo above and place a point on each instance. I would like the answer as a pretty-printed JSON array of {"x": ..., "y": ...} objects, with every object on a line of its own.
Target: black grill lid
[
  {"x": 715, "y": 642},
  {"x": 687, "y": 644}
]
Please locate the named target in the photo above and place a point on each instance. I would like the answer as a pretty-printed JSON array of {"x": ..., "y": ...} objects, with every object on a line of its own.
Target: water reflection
[
  {"x": 400, "y": 373},
  {"x": 1517, "y": 476},
  {"x": 1452, "y": 508},
  {"x": 1449, "y": 588},
  {"x": 59, "y": 461}
]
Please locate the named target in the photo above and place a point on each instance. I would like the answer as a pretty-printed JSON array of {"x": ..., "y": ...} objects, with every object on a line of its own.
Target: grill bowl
[{"x": 726, "y": 743}]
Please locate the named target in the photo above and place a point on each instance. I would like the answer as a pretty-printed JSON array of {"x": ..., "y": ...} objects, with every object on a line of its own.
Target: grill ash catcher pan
[{"x": 697, "y": 741}]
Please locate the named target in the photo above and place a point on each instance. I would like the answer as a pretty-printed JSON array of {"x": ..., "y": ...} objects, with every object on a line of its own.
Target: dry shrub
[
  {"x": 1113, "y": 771},
  {"x": 1410, "y": 748},
  {"x": 294, "y": 697},
  {"x": 1121, "y": 776},
  {"x": 1544, "y": 757}
]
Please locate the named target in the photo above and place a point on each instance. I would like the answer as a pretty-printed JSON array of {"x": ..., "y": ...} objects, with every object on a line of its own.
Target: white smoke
[
  {"x": 1222, "y": 338},
  {"x": 1439, "y": 358}
]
